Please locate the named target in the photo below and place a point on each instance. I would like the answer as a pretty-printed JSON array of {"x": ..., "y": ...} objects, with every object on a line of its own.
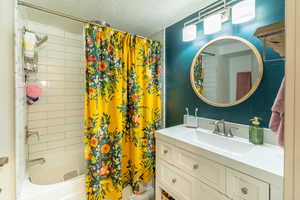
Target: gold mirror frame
[{"x": 253, "y": 89}]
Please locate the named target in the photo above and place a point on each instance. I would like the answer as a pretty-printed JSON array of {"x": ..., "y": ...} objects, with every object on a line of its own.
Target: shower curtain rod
[{"x": 61, "y": 14}]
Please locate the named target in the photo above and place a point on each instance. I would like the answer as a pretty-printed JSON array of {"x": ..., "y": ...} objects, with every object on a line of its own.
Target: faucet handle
[
  {"x": 216, "y": 127},
  {"x": 230, "y": 133},
  {"x": 30, "y": 133},
  {"x": 212, "y": 122}
]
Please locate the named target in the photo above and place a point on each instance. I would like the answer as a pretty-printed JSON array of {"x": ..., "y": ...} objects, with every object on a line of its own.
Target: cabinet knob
[
  {"x": 166, "y": 151},
  {"x": 244, "y": 190},
  {"x": 174, "y": 180},
  {"x": 195, "y": 166}
]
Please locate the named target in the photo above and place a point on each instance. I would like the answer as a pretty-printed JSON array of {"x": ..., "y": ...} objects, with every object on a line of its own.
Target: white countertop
[{"x": 264, "y": 162}]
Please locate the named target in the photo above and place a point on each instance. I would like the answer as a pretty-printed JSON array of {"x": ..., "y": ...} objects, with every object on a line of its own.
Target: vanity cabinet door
[
  {"x": 203, "y": 169},
  {"x": 177, "y": 184},
  {"x": 243, "y": 187},
  {"x": 205, "y": 192}
]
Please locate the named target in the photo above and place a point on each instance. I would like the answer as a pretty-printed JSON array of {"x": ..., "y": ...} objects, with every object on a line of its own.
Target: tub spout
[{"x": 38, "y": 161}]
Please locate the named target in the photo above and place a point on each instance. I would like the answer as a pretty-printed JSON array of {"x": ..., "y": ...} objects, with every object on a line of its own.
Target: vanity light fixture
[
  {"x": 189, "y": 32},
  {"x": 243, "y": 11},
  {"x": 212, "y": 24},
  {"x": 217, "y": 13}
]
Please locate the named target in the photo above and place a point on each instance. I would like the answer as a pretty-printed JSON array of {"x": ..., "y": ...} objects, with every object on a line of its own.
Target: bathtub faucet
[{"x": 38, "y": 161}]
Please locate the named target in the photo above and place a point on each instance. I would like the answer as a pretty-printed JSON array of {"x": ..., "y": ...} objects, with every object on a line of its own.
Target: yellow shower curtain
[{"x": 122, "y": 110}]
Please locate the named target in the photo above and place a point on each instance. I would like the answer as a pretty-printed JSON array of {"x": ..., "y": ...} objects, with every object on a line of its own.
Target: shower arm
[{"x": 61, "y": 14}]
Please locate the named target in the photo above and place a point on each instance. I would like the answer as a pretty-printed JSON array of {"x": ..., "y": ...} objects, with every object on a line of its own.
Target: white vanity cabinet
[
  {"x": 186, "y": 175},
  {"x": 243, "y": 187}
]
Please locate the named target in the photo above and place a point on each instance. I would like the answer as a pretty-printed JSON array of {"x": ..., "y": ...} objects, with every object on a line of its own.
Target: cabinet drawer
[
  {"x": 165, "y": 151},
  {"x": 175, "y": 182},
  {"x": 199, "y": 167},
  {"x": 203, "y": 169},
  {"x": 243, "y": 187}
]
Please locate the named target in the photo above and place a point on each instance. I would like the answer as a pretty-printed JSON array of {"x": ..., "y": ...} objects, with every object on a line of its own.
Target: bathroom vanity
[{"x": 196, "y": 164}]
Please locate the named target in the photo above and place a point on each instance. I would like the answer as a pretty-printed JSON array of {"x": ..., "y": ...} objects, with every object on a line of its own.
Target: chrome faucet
[
  {"x": 222, "y": 130},
  {"x": 217, "y": 129}
]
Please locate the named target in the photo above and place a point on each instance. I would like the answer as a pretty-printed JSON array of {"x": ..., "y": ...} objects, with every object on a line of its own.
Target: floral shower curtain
[{"x": 122, "y": 110}]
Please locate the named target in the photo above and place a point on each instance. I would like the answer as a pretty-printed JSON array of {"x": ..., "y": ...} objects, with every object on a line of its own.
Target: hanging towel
[
  {"x": 29, "y": 44},
  {"x": 243, "y": 84},
  {"x": 277, "y": 119}
]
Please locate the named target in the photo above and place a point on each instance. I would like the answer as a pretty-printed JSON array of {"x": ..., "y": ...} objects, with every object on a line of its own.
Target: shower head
[{"x": 41, "y": 40}]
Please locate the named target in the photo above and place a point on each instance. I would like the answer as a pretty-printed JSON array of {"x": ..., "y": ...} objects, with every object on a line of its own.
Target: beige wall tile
[
  {"x": 58, "y": 115},
  {"x": 52, "y": 39},
  {"x": 74, "y": 106},
  {"x": 73, "y": 99},
  {"x": 74, "y": 43},
  {"x": 74, "y": 92},
  {"x": 55, "y": 77},
  {"x": 56, "y": 129},
  {"x": 54, "y": 92},
  {"x": 56, "y": 69},
  {"x": 55, "y": 61},
  {"x": 56, "y": 84},
  {"x": 55, "y": 99},
  {"x": 37, "y": 116},
  {"x": 55, "y": 114},
  {"x": 37, "y": 147}
]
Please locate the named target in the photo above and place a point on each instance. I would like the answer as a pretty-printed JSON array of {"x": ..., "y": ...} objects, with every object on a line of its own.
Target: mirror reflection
[{"x": 226, "y": 71}]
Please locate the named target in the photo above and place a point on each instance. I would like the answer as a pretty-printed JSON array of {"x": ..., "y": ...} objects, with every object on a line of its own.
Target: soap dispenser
[{"x": 256, "y": 132}]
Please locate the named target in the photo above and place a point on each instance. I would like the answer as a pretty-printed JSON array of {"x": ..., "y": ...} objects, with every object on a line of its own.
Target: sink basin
[{"x": 234, "y": 145}]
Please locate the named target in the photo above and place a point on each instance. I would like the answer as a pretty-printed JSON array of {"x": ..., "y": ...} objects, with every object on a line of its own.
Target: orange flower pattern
[{"x": 105, "y": 148}]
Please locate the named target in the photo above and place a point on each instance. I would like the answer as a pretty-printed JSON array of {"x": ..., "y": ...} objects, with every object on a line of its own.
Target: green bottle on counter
[{"x": 256, "y": 132}]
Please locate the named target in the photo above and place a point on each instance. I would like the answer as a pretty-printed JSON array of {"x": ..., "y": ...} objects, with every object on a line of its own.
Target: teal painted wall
[{"x": 179, "y": 56}]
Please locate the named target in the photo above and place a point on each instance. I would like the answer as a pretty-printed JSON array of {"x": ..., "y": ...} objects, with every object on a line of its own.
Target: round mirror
[{"x": 226, "y": 71}]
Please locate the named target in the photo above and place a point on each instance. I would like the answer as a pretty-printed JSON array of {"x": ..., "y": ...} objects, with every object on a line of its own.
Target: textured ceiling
[{"x": 143, "y": 17}]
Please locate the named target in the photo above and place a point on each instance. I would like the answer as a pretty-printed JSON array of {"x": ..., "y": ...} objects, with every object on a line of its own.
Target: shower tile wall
[{"x": 58, "y": 115}]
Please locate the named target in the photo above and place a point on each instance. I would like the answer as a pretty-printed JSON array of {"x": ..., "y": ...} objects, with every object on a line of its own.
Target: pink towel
[{"x": 277, "y": 119}]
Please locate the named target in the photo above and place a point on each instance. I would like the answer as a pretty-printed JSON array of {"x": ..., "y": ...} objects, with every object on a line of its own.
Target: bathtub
[{"x": 73, "y": 189}]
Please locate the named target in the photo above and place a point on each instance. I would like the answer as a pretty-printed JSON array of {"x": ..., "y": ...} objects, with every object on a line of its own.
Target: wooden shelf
[{"x": 273, "y": 36}]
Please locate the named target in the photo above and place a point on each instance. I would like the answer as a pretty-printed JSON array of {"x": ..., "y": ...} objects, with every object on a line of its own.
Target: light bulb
[
  {"x": 243, "y": 11},
  {"x": 212, "y": 24},
  {"x": 189, "y": 33}
]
